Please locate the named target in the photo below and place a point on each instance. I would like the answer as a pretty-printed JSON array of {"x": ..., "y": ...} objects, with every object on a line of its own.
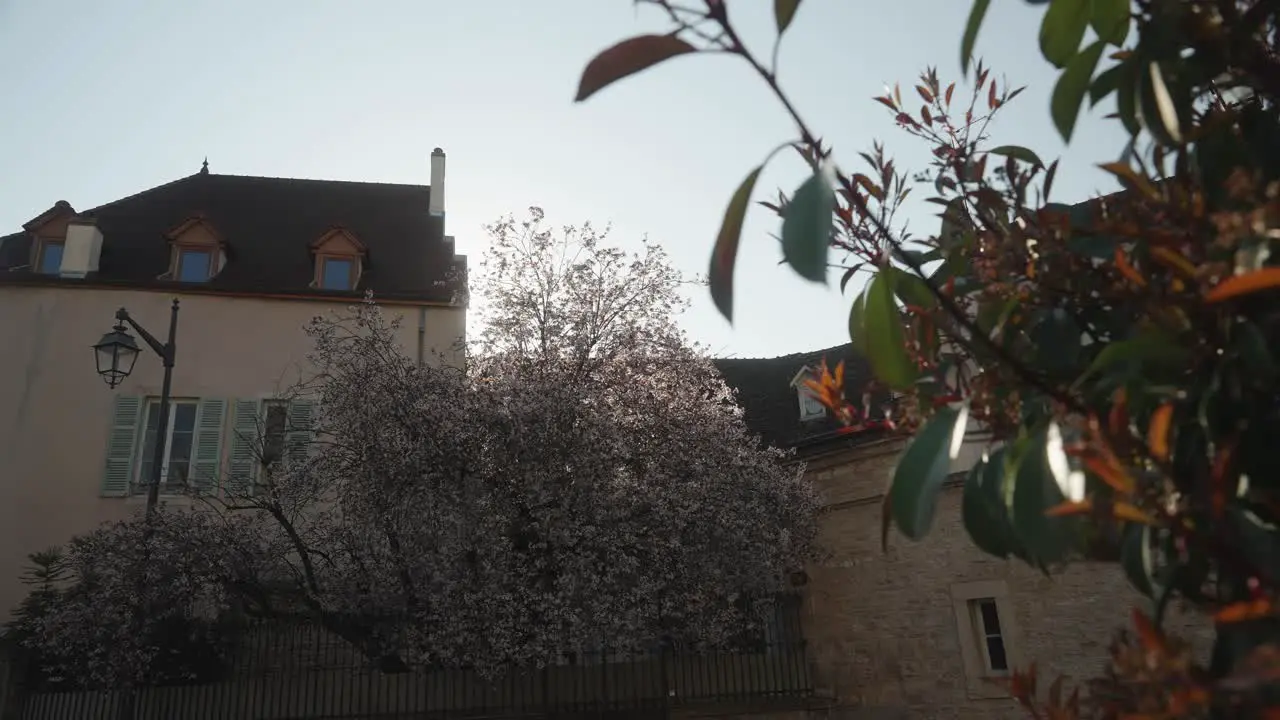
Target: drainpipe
[{"x": 422, "y": 334}]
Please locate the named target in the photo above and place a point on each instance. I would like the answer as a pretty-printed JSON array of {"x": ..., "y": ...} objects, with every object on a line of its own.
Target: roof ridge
[
  {"x": 320, "y": 180},
  {"x": 161, "y": 186},
  {"x": 794, "y": 355}
]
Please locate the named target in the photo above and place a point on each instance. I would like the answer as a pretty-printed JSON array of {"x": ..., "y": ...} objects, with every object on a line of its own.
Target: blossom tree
[{"x": 588, "y": 481}]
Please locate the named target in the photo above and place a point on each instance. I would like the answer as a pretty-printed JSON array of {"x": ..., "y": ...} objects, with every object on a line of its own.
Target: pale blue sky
[{"x": 103, "y": 99}]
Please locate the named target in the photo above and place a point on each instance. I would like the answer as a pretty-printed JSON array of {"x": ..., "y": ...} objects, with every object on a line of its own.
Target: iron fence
[{"x": 295, "y": 672}]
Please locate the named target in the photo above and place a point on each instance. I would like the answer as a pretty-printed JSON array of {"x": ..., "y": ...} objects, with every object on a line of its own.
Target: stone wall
[{"x": 882, "y": 626}]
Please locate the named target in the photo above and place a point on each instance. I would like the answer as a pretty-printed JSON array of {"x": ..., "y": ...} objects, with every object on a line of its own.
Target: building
[
  {"x": 920, "y": 629},
  {"x": 251, "y": 260}
]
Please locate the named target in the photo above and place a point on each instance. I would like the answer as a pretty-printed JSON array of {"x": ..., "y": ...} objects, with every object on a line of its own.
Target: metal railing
[{"x": 281, "y": 671}]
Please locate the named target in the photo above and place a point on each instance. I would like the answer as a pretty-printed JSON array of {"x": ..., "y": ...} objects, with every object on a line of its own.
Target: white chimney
[
  {"x": 437, "y": 183},
  {"x": 81, "y": 249}
]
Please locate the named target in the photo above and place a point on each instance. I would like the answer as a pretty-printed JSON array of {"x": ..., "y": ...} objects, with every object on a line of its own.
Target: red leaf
[
  {"x": 950, "y": 89},
  {"x": 887, "y": 102},
  {"x": 628, "y": 58},
  {"x": 924, "y": 93},
  {"x": 991, "y": 96},
  {"x": 924, "y": 115},
  {"x": 725, "y": 254}
]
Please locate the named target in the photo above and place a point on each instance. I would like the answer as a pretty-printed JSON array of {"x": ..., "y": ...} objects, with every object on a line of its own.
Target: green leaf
[
  {"x": 971, "y": 27},
  {"x": 1252, "y": 348},
  {"x": 1105, "y": 84},
  {"x": 983, "y": 510},
  {"x": 806, "y": 227},
  {"x": 1068, "y": 92},
  {"x": 1148, "y": 347},
  {"x": 1035, "y": 491},
  {"x": 922, "y": 470},
  {"x": 858, "y": 323},
  {"x": 848, "y": 275},
  {"x": 1126, "y": 96},
  {"x": 885, "y": 344},
  {"x": 1017, "y": 152},
  {"x": 956, "y": 224},
  {"x": 784, "y": 11},
  {"x": 1136, "y": 559},
  {"x": 1062, "y": 30},
  {"x": 910, "y": 289},
  {"x": 1163, "y": 106},
  {"x": 725, "y": 254},
  {"x": 1110, "y": 20},
  {"x": 628, "y": 58},
  {"x": 1057, "y": 340}
]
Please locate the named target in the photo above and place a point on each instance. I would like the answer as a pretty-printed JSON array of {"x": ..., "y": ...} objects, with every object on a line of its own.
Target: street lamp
[{"x": 116, "y": 354}]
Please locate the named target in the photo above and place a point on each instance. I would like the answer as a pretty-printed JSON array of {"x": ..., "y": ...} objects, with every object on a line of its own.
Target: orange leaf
[
  {"x": 1070, "y": 508},
  {"x": 1118, "y": 420},
  {"x": 1132, "y": 513},
  {"x": 1127, "y": 269},
  {"x": 869, "y": 186},
  {"x": 1174, "y": 259},
  {"x": 1246, "y": 284},
  {"x": 950, "y": 89},
  {"x": 1110, "y": 472},
  {"x": 1247, "y": 610},
  {"x": 1128, "y": 177},
  {"x": 1158, "y": 431},
  {"x": 1148, "y": 635},
  {"x": 1219, "y": 477},
  {"x": 840, "y": 375}
]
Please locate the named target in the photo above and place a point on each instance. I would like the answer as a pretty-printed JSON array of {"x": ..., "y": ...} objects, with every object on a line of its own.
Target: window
[
  {"x": 986, "y": 622},
  {"x": 195, "y": 265},
  {"x": 49, "y": 261},
  {"x": 275, "y": 422},
  {"x": 987, "y": 634},
  {"x": 180, "y": 437},
  {"x": 337, "y": 274},
  {"x": 810, "y": 406}
]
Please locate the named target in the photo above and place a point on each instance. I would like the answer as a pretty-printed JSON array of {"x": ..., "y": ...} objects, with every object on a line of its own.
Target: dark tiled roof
[
  {"x": 268, "y": 225},
  {"x": 771, "y": 404}
]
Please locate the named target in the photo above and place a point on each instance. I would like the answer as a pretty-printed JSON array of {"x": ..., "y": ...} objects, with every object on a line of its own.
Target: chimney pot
[
  {"x": 437, "y": 183},
  {"x": 81, "y": 249}
]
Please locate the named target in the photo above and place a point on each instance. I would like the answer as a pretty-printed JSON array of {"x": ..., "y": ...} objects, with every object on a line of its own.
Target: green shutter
[
  {"x": 207, "y": 451},
  {"x": 298, "y": 436},
  {"x": 122, "y": 444},
  {"x": 244, "y": 443}
]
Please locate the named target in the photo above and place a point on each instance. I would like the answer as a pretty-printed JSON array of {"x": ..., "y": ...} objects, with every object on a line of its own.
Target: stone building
[{"x": 919, "y": 629}]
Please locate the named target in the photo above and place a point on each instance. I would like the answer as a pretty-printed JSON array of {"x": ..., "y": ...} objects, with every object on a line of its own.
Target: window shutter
[
  {"x": 122, "y": 443},
  {"x": 207, "y": 453},
  {"x": 300, "y": 430},
  {"x": 244, "y": 448}
]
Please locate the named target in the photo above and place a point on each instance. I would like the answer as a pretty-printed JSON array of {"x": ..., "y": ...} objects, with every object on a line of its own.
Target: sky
[{"x": 109, "y": 98}]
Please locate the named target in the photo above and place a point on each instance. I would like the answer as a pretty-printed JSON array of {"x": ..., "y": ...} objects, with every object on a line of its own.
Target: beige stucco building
[{"x": 251, "y": 261}]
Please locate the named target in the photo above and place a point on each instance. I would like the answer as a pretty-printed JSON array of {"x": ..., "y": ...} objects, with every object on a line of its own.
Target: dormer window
[
  {"x": 198, "y": 252},
  {"x": 194, "y": 265},
  {"x": 49, "y": 256},
  {"x": 48, "y": 232},
  {"x": 339, "y": 258},
  {"x": 337, "y": 273},
  {"x": 810, "y": 407}
]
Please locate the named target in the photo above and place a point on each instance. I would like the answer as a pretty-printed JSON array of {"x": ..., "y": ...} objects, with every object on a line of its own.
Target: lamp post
[{"x": 115, "y": 354}]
